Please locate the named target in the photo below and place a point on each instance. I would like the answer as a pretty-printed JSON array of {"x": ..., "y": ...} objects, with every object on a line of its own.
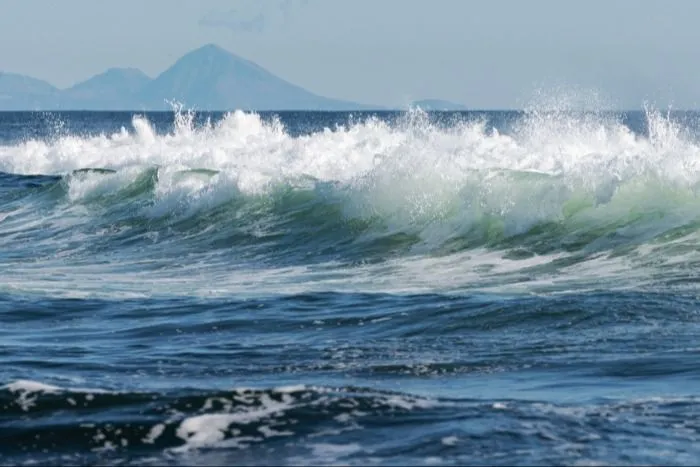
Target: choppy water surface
[{"x": 318, "y": 288}]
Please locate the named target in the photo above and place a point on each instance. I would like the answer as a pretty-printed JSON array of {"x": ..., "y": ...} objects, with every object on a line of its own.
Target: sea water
[{"x": 332, "y": 288}]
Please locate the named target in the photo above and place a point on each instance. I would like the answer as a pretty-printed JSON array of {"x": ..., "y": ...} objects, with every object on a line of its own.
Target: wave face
[{"x": 317, "y": 288}]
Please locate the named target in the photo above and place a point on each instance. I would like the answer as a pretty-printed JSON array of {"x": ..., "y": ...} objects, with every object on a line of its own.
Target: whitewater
[{"x": 397, "y": 287}]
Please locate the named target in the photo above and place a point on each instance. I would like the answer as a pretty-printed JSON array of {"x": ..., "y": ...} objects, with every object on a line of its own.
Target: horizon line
[{"x": 386, "y": 109}]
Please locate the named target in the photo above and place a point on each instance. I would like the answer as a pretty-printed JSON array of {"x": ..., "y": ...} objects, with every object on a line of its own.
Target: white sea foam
[
  {"x": 213, "y": 429},
  {"x": 28, "y": 391},
  {"x": 29, "y": 386},
  {"x": 430, "y": 161}
]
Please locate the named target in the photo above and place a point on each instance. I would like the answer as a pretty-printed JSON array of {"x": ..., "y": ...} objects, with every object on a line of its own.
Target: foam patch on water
[
  {"x": 30, "y": 386},
  {"x": 28, "y": 391},
  {"x": 248, "y": 417}
]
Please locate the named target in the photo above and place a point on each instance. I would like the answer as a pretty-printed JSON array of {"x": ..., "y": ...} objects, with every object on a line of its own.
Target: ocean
[{"x": 387, "y": 288}]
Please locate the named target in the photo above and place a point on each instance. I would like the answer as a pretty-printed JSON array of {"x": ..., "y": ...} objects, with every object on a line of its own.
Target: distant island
[
  {"x": 437, "y": 105},
  {"x": 208, "y": 78}
]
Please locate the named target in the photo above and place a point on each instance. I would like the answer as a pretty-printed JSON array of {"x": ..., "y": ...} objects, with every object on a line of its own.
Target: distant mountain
[
  {"x": 208, "y": 78},
  {"x": 438, "y": 104},
  {"x": 18, "y": 92},
  {"x": 13, "y": 83},
  {"x": 211, "y": 78},
  {"x": 114, "y": 89}
]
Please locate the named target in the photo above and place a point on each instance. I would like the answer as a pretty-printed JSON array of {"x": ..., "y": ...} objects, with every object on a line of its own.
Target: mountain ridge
[
  {"x": 208, "y": 78},
  {"x": 113, "y": 88}
]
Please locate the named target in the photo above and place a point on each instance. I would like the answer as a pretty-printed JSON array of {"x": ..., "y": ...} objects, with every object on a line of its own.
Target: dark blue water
[{"x": 317, "y": 288}]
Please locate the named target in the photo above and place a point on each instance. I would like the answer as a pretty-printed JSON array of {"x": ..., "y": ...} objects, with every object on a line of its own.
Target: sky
[{"x": 496, "y": 54}]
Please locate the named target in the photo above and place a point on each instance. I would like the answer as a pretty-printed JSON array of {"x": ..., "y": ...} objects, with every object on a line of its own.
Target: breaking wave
[{"x": 556, "y": 189}]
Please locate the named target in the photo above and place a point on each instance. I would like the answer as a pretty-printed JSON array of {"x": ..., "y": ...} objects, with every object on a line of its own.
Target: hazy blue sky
[{"x": 485, "y": 54}]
